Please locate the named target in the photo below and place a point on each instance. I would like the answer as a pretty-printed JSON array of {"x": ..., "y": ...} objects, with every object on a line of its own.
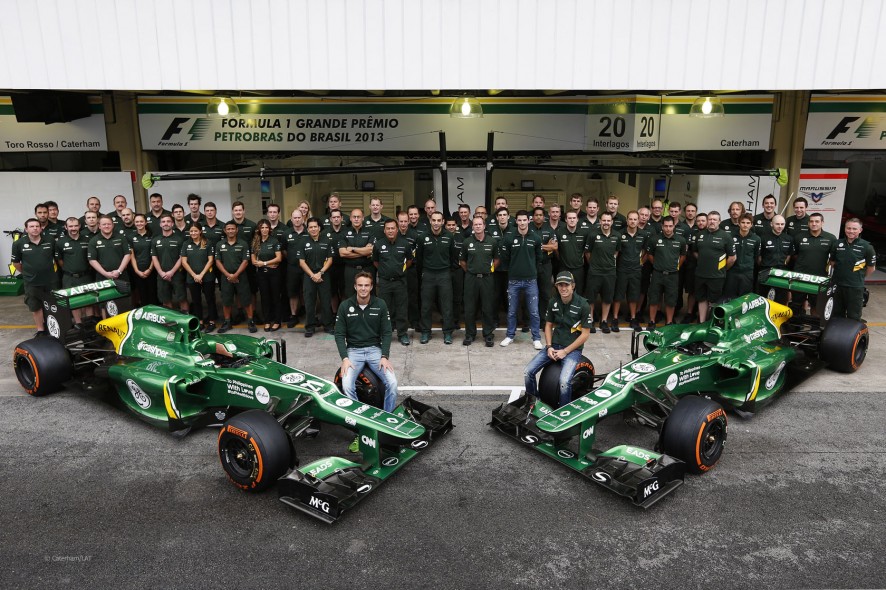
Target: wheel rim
[
  {"x": 25, "y": 372},
  {"x": 239, "y": 458},
  {"x": 581, "y": 383},
  {"x": 712, "y": 440}
]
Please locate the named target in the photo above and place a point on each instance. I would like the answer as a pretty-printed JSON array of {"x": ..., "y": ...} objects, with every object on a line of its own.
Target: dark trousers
[
  {"x": 393, "y": 293},
  {"x": 412, "y": 296},
  {"x": 436, "y": 287},
  {"x": 145, "y": 288},
  {"x": 207, "y": 290},
  {"x": 545, "y": 289},
  {"x": 269, "y": 287},
  {"x": 479, "y": 290},
  {"x": 457, "y": 278},
  {"x": 317, "y": 292}
]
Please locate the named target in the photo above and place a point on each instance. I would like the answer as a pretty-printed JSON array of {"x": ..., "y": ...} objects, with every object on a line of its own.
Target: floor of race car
[{"x": 92, "y": 496}]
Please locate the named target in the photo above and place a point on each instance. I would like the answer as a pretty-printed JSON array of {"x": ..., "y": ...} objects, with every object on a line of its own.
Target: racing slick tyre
[
  {"x": 42, "y": 365},
  {"x": 254, "y": 450},
  {"x": 844, "y": 344},
  {"x": 370, "y": 389},
  {"x": 695, "y": 433},
  {"x": 549, "y": 381}
]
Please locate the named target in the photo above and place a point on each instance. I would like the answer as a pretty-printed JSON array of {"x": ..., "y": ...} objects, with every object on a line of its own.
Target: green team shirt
[
  {"x": 667, "y": 251},
  {"x": 73, "y": 254},
  {"x": 619, "y": 223},
  {"x": 435, "y": 251},
  {"x": 479, "y": 255},
  {"x": 795, "y": 225},
  {"x": 631, "y": 249},
  {"x": 167, "y": 249},
  {"x": 392, "y": 257},
  {"x": 141, "y": 250},
  {"x": 245, "y": 230},
  {"x": 713, "y": 249},
  {"x": 775, "y": 249},
  {"x": 37, "y": 260},
  {"x": 52, "y": 230},
  {"x": 214, "y": 234},
  {"x": 154, "y": 221},
  {"x": 851, "y": 260},
  {"x": 747, "y": 249},
  {"x": 813, "y": 252},
  {"x": 268, "y": 249},
  {"x": 728, "y": 226},
  {"x": 604, "y": 252},
  {"x": 109, "y": 252},
  {"x": 568, "y": 318},
  {"x": 522, "y": 254},
  {"x": 762, "y": 224},
  {"x": 280, "y": 232},
  {"x": 232, "y": 255},
  {"x": 334, "y": 238},
  {"x": 683, "y": 229},
  {"x": 356, "y": 238},
  {"x": 545, "y": 233},
  {"x": 291, "y": 244},
  {"x": 314, "y": 252},
  {"x": 376, "y": 228},
  {"x": 197, "y": 257},
  {"x": 571, "y": 247}
]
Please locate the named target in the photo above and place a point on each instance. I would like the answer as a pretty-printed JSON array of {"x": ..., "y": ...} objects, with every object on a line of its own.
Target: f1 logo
[
  {"x": 177, "y": 126},
  {"x": 842, "y": 127}
]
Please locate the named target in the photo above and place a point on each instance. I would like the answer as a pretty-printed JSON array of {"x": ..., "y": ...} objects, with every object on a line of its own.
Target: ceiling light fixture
[
  {"x": 466, "y": 107},
  {"x": 707, "y": 107},
  {"x": 222, "y": 106}
]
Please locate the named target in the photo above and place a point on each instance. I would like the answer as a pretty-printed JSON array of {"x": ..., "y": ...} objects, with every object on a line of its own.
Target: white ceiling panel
[{"x": 445, "y": 44}]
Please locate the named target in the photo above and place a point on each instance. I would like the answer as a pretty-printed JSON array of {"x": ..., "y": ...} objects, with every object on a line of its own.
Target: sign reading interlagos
[{"x": 87, "y": 134}]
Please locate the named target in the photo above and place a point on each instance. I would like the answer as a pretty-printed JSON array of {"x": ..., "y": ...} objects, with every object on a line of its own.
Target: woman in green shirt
[
  {"x": 144, "y": 279},
  {"x": 198, "y": 262},
  {"x": 266, "y": 256}
]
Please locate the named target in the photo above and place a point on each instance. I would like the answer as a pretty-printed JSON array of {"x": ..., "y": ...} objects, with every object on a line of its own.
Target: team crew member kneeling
[
  {"x": 363, "y": 337},
  {"x": 566, "y": 312}
]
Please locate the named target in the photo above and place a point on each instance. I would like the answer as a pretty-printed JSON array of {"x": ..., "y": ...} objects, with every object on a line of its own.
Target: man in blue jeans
[
  {"x": 567, "y": 327},
  {"x": 363, "y": 337},
  {"x": 521, "y": 254}
]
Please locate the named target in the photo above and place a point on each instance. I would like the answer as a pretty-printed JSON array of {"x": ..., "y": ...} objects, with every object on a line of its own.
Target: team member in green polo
[
  {"x": 153, "y": 216},
  {"x": 392, "y": 255},
  {"x": 798, "y": 223},
  {"x": 231, "y": 261},
  {"x": 72, "y": 253},
  {"x": 603, "y": 248},
  {"x": 812, "y": 250},
  {"x": 689, "y": 266},
  {"x": 479, "y": 258},
  {"x": 549, "y": 245},
  {"x": 571, "y": 248},
  {"x": 763, "y": 220},
  {"x": 666, "y": 251},
  {"x": 315, "y": 255},
  {"x": 853, "y": 260},
  {"x": 141, "y": 267},
  {"x": 740, "y": 277},
  {"x": 776, "y": 245},
  {"x": 33, "y": 256},
  {"x": 108, "y": 252},
  {"x": 355, "y": 248},
  {"x": 436, "y": 250},
  {"x": 295, "y": 276},
  {"x": 456, "y": 274},
  {"x": 213, "y": 229},
  {"x": 714, "y": 253},
  {"x": 245, "y": 232},
  {"x": 166, "y": 257},
  {"x": 632, "y": 254},
  {"x": 412, "y": 285},
  {"x": 198, "y": 262}
]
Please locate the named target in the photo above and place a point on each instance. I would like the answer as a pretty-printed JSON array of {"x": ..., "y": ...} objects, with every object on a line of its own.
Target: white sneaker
[
  {"x": 506, "y": 341},
  {"x": 537, "y": 345}
]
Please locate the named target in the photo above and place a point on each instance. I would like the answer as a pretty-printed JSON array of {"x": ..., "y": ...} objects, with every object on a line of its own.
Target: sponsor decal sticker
[
  {"x": 672, "y": 381},
  {"x": 344, "y": 402},
  {"x": 643, "y": 367},
  {"x": 52, "y": 326},
  {"x": 390, "y": 461},
  {"x": 319, "y": 503},
  {"x": 140, "y": 397},
  {"x": 650, "y": 489},
  {"x": 419, "y": 444},
  {"x": 773, "y": 379},
  {"x": 566, "y": 454},
  {"x": 262, "y": 394}
]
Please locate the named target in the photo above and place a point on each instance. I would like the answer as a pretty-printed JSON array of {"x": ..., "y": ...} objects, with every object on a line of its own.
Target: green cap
[{"x": 564, "y": 277}]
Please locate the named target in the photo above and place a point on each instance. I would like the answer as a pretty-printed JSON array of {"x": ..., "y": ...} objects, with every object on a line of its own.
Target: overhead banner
[
  {"x": 746, "y": 125},
  {"x": 846, "y": 122},
  {"x": 623, "y": 123},
  {"x": 466, "y": 185},
  {"x": 356, "y": 124},
  {"x": 87, "y": 134},
  {"x": 825, "y": 190}
]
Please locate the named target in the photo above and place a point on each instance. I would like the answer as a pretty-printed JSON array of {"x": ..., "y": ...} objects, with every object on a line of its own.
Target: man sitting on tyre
[
  {"x": 363, "y": 337},
  {"x": 567, "y": 327}
]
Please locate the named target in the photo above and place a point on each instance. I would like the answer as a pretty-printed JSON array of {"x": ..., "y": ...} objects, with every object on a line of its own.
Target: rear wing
[
  {"x": 113, "y": 295},
  {"x": 778, "y": 285}
]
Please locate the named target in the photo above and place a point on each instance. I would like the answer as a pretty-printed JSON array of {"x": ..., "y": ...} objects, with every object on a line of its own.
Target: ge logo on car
[{"x": 140, "y": 397}]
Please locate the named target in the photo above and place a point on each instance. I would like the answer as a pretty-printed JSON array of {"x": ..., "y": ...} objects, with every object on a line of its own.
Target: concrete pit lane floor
[{"x": 92, "y": 497}]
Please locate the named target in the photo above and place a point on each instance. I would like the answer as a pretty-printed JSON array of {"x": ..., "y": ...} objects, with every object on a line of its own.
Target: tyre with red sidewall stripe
[
  {"x": 42, "y": 365},
  {"x": 254, "y": 450},
  {"x": 695, "y": 433},
  {"x": 844, "y": 344}
]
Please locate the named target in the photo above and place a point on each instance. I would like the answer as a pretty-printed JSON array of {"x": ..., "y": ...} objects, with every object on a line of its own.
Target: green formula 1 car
[
  {"x": 752, "y": 349},
  {"x": 157, "y": 364}
]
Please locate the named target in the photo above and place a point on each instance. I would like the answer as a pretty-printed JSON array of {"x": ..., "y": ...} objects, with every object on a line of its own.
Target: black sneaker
[
  {"x": 593, "y": 328},
  {"x": 635, "y": 325},
  {"x": 251, "y": 325},
  {"x": 467, "y": 341},
  {"x": 615, "y": 326},
  {"x": 209, "y": 327},
  {"x": 404, "y": 339},
  {"x": 490, "y": 342},
  {"x": 291, "y": 322},
  {"x": 604, "y": 327},
  {"x": 226, "y": 325},
  {"x": 309, "y": 333}
]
